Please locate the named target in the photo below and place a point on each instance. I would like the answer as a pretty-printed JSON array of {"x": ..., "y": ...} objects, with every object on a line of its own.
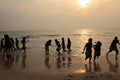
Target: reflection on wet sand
[
  {"x": 113, "y": 67},
  {"x": 15, "y": 58},
  {"x": 95, "y": 68},
  {"x": 47, "y": 61},
  {"x": 24, "y": 60},
  {"x": 88, "y": 67},
  {"x": 62, "y": 61}
]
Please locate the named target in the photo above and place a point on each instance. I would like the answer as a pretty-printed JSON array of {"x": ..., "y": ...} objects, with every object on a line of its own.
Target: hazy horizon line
[{"x": 110, "y": 29}]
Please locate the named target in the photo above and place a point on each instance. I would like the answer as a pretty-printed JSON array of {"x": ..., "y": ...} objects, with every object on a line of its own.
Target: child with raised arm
[
  {"x": 88, "y": 50},
  {"x": 113, "y": 47}
]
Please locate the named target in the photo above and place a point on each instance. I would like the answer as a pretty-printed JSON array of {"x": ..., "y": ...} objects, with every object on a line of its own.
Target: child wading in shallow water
[
  {"x": 58, "y": 46},
  {"x": 47, "y": 44},
  {"x": 69, "y": 44},
  {"x": 8, "y": 48},
  {"x": 113, "y": 46},
  {"x": 88, "y": 50},
  {"x": 24, "y": 44},
  {"x": 97, "y": 49},
  {"x": 63, "y": 45}
]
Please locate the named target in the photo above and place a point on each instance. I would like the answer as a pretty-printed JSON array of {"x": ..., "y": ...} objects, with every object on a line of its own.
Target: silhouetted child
[
  {"x": 47, "y": 44},
  {"x": 63, "y": 45},
  {"x": 97, "y": 49},
  {"x": 58, "y": 46},
  {"x": 88, "y": 50},
  {"x": 113, "y": 47},
  {"x": 17, "y": 43},
  {"x": 69, "y": 44},
  {"x": 12, "y": 41},
  {"x": 24, "y": 44},
  {"x": 8, "y": 48},
  {"x": 1, "y": 45}
]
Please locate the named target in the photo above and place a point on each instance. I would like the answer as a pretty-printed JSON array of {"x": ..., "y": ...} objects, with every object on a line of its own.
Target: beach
[
  {"x": 32, "y": 66},
  {"x": 78, "y": 69},
  {"x": 59, "y": 39}
]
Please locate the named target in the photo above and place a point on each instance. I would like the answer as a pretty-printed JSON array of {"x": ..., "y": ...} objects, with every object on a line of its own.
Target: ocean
[{"x": 79, "y": 37}]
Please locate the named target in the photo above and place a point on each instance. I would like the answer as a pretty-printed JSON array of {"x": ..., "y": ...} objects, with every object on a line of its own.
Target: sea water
[{"x": 79, "y": 37}]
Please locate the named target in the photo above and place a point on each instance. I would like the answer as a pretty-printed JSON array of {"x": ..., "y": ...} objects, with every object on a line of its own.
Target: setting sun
[{"x": 83, "y": 3}]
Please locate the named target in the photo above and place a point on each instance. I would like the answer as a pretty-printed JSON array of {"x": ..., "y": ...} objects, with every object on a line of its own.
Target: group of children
[
  {"x": 97, "y": 49},
  {"x": 8, "y": 46},
  {"x": 60, "y": 59},
  {"x": 58, "y": 45},
  {"x": 87, "y": 48}
]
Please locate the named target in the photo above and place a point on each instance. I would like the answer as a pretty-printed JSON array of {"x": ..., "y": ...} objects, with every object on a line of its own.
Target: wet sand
[{"x": 32, "y": 66}]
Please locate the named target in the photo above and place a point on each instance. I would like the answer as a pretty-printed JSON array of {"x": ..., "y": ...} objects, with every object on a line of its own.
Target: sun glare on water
[{"x": 84, "y": 3}]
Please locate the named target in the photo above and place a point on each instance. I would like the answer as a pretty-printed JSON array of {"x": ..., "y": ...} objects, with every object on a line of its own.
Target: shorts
[
  {"x": 97, "y": 53},
  {"x": 88, "y": 54}
]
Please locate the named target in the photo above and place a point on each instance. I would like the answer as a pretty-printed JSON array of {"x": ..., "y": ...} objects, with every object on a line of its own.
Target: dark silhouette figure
[
  {"x": 8, "y": 48},
  {"x": 88, "y": 50},
  {"x": 12, "y": 41},
  {"x": 97, "y": 49},
  {"x": 63, "y": 45},
  {"x": 24, "y": 44},
  {"x": 47, "y": 44},
  {"x": 58, "y": 46},
  {"x": 113, "y": 47},
  {"x": 17, "y": 43},
  {"x": 1, "y": 45},
  {"x": 69, "y": 44}
]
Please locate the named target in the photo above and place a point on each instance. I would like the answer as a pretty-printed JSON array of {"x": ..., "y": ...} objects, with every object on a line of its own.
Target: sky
[{"x": 59, "y": 14}]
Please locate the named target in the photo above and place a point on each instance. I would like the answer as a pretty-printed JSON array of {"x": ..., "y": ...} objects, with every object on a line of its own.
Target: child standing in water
[
  {"x": 17, "y": 43},
  {"x": 24, "y": 44},
  {"x": 47, "y": 44},
  {"x": 63, "y": 45},
  {"x": 88, "y": 50},
  {"x": 58, "y": 46},
  {"x": 69, "y": 44},
  {"x": 2, "y": 45},
  {"x": 97, "y": 50},
  {"x": 8, "y": 48},
  {"x": 113, "y": 46}
]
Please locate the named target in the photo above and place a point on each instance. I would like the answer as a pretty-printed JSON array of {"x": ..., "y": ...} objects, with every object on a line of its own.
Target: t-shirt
[
  {"x": 98, "y": 46},
  {"x": 88, "y": 47},
  {"x": 114, "y": 44}
]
